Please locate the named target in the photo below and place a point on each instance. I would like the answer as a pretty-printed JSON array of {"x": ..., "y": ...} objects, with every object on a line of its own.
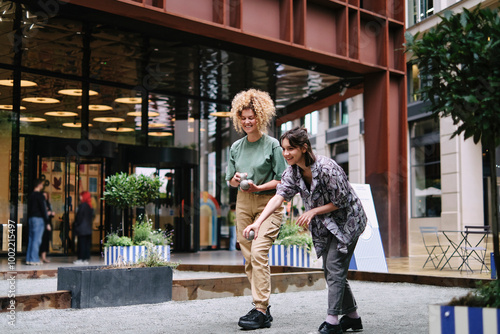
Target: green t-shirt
[{"x": 262, "y": 160}]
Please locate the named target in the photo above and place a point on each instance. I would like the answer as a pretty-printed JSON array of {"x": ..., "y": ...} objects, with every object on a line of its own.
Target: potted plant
[
  {"x": 293, "y": 247},
  {"x": 124, "y": 191},
  {"x": 147, "y": 281},
  {"x": 476, "y": 312},
  {"x": 126, "y": 250}
]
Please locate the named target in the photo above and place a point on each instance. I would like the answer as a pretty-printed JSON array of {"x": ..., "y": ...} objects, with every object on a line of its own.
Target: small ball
[
  {"x": 251, "y": 235},
  {"x": 244, "y": 185}
]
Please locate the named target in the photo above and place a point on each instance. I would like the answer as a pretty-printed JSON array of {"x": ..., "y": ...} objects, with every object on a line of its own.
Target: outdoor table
[
  {"x": 459, "y": 244},
  {"x": 454, "y": 244}
]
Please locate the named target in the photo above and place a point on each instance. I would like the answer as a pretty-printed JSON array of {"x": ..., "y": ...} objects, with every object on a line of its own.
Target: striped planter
[
  {"x": 131, "y": 254},
  {"x": 445, "y": 319},
  {"x": 293, "y": 256}
]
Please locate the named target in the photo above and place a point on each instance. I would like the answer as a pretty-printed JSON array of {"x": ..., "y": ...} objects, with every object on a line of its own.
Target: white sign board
[{"x": 369, "y": 253}]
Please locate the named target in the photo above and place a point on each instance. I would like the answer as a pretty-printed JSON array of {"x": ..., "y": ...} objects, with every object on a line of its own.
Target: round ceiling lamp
[
  {"x": 221, "y": 114},
  {"x": 109, "y": 119},
  {"x": 76, "y": 92},
  {"x": 32, "y": 119},
  {"x": 73, "y": 125},
  {"x": 129, "y": 100},
  {"x": 160, "y": 134},
  {"x": 138, "y": 113},
  {"x": 97, "y": 107},
  {"x": 9, "y": 107},
  {"x": 61, "y": 113},
  {"x": 156, "y": 125},
  {"x": 119, "y": 129},
  {"x": 24, "y": 83},
  {"x": 43, "y": 100}
]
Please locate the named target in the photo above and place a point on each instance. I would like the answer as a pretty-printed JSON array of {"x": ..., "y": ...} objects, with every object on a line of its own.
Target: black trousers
[{"x": 83, "y": 247}]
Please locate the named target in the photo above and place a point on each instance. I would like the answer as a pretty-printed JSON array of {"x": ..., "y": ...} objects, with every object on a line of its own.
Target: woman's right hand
[{"x": 237, "y": 176}]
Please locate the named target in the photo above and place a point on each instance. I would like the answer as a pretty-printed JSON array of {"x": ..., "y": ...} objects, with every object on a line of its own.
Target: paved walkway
[{"x": 386, "y": 308}]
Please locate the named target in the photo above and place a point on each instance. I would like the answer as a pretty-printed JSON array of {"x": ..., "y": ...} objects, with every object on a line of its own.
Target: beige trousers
[{"x": 248, "y": 208}]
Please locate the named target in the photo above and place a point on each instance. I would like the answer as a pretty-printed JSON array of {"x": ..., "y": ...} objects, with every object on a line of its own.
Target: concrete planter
[
  {"x": 95, "y": 286},
  {"x": 131, "y": 254},
  {"x": 445, "y": 319}
]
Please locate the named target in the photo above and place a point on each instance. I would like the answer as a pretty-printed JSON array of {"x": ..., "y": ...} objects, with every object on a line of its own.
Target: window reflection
[{"x": 425, "y": 168}]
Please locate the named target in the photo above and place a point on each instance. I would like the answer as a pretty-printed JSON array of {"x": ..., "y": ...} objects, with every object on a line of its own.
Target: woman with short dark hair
[{"x": 334, "y": 215}]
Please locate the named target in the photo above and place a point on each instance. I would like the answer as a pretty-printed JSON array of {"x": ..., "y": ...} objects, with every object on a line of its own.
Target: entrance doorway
[{"x": 65, "y": 178}]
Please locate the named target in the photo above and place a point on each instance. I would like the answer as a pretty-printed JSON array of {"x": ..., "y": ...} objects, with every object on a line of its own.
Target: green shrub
[
  {"x": 487, "y": 294},
  {"x": 142, "y": 231},
  {"x": 113, "y": 239},
  {"x": 294, "y": 235},
  {"x": 143, "y": 235}
]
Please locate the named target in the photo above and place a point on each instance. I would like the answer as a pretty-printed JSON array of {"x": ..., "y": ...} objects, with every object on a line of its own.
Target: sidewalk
[{"x": 386, "y": 308}]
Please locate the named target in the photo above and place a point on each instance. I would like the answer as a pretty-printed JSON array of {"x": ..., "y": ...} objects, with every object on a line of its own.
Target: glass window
[
  {"x": 340, "y": 153},
  {"x": 7, "y": 13},
  {"x": 53, "y": 45},
  {"x": 418, "y": 10},
  {"x": 425, "y": 172},
  {"x": 338, "y": 114},
  {"x": 286, "y": 126},
  {"x": 311, "y": 123},
  {"x": 49, "y": 107}
]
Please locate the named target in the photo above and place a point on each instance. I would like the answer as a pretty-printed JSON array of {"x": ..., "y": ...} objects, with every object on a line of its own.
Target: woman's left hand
[
  {"x": 252, "y": 187},
  {"x": 305, "y": 218}
]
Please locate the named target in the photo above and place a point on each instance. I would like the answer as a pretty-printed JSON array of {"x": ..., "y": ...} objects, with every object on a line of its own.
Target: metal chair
[
  {"x": 474, "y": 246},
  {"x": 432, "y": 244}
]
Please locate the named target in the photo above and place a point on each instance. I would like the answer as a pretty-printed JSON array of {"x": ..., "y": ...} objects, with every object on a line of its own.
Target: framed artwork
[
  {"x": 82, "y": 169},
  {"x": 93, "y": 184},
  {"x": 82, "y": 184},
  {"x": 93, "y": 170},
  {"x": 56, "y": 167}
]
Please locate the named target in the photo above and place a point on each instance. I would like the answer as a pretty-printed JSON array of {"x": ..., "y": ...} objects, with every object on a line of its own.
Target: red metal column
[{"x": 386, "y": 157}]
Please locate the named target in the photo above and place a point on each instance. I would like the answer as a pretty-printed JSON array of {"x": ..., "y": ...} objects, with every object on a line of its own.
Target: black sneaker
[
  {"x": 327, "y": 328},
  {"x": 255, "y": 319},
  {"x": 350, "y": 323},
  {"x": 268, "y": 313}
]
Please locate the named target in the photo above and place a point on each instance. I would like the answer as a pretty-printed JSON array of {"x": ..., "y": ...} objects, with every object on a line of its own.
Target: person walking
[
  {"x": 334, "y": 215},
  {"x": 37, "y": 216},
  {"x": 83, "y": 228},
  {"x": 47, "y": 232},
  {"x": 231, "y": 222},
  {"x": 255, "y": 165}
]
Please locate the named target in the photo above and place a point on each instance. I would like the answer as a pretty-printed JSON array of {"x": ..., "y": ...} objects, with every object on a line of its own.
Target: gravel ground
[{"x": 388, "y": 308}]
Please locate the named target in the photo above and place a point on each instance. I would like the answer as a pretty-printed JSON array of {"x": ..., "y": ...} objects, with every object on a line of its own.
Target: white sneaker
[
  {"x": 85, "y": 262},
  {"x": 78, "y": 262}
]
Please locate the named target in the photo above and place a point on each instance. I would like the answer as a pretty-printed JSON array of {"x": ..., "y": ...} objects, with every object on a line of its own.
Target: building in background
[{"x": 91, "y": 88}]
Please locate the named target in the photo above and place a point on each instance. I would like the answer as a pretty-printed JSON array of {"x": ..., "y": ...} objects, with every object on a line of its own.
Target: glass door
[{"x": 65, "y": 178}]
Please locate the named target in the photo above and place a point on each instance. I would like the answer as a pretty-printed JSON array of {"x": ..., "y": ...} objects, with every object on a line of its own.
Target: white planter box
[
  {"x": 293, "y": 256},
  {"x": 445, "y": 319},
  {"x": 131, "y": 254}
]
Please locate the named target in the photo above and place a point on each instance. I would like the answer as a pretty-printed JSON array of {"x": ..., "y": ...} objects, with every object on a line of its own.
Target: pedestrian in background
[
  {"x": 258, "y": 158},
  {"x": 334, "y": 215},
  {"x": 83, "y": 228},
  {"x": 231, "y": 222},
  {"x": 37, "y": 216},
  {"x": 47, "y": 232}
]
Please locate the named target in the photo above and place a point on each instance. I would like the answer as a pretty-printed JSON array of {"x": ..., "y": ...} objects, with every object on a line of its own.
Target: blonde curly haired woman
[{"x": 259, "y": 158}]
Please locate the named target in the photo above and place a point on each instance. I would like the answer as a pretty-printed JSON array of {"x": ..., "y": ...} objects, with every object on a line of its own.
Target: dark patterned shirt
[{"x": 329, "y": 185}]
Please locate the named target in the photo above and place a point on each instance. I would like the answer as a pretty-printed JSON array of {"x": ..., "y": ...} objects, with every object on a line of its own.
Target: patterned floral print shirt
[{"x": 329, "y": 185}]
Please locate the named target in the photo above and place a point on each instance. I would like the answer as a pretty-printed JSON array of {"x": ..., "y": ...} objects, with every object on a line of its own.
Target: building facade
[{"x": 92, "y": 88}]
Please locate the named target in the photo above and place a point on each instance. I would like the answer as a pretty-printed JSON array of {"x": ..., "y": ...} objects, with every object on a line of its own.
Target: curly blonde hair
[{"x": 261, "y": 104}]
